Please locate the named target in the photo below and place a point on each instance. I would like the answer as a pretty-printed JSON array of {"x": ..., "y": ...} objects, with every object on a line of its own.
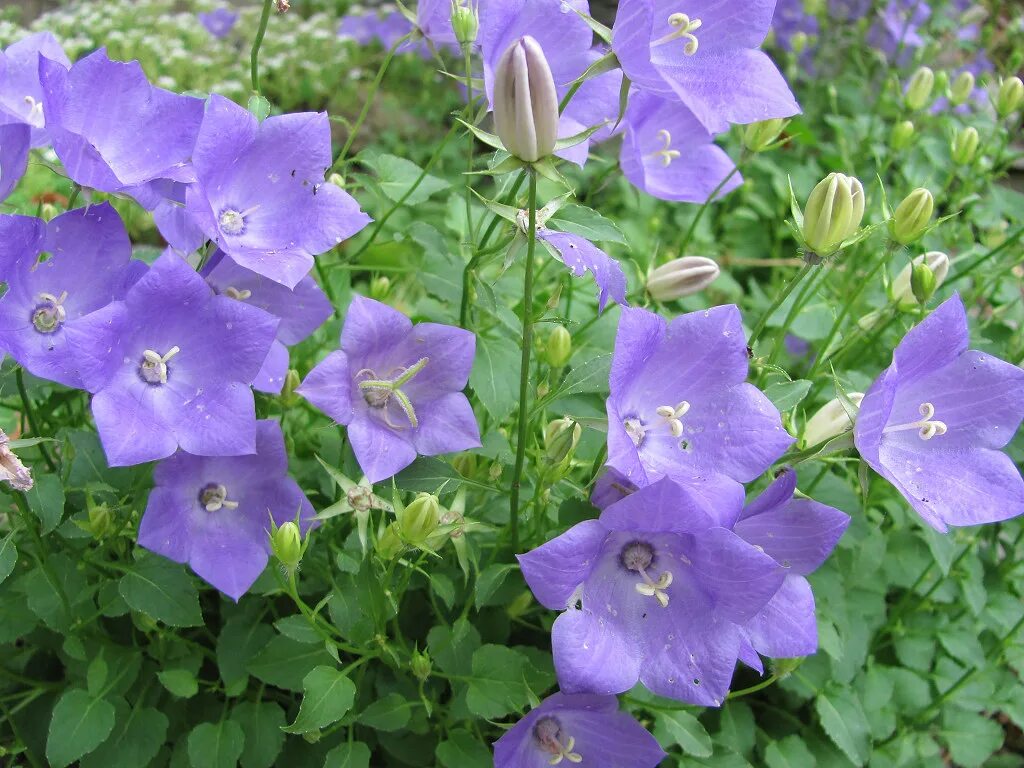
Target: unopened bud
[
  {"x": 919, "y": 89},
  {"x": 48, "y": 211},
  {"x": 902, "y": 135},
  {"x": 292, "y": 380},
  {"x": 559, "y": 347},
  {"x": 421, "y": 665},
  {"x": 1010, "y": 96},
  {"x": 833, "y": 212},
  {"x": 560, "y": 439},
  {"x": 380, "y": 287},
  {"x": 465, "y": 22},
  {"x": 682, "y": 277},
  {"x": 525, "y": 101},
  {"x": 286, "y": 543},
  {"x": 494, "y": 471},
  {"x": 798, "y": 42},
  {"x": 11, "y": 469},
  {"x": 757, "y": 137},
  {"x": 961, "y": 89},
  {"x": 283, "y": 6},
  {"x": 99, "y": 520},
  {"x": 964, "y": 146},
  {"x": 922, "y": 282},
  {"x": 337, "y": 180},
  {"x": 390, "y": 544},
  {"x": 903, "y": 291},
  {"x": 941, "y": 81},
  {"x": 419, "y": 519},
  {"x": 912, "y": 215},
  {"x": 830, "y": 421}
]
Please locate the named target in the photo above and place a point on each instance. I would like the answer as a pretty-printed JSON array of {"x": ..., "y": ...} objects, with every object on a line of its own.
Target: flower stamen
[
  {"x": 666, "y": 153},
  {"x": 656, "y": 589},
  {"x": 35, "y": 107},
  {"x": 673, "y": 416},
  {"x": 378, "y": 392},
  {"x": 153, "y": 368},
  {"x": 683, "y": 27},
  {"x": 927, "y": 426},
  {"x": 50, "y": 314},
  {"x": 548, "y": 733},
  {"x": 238, "y": 295},
  {"x": 214, "y": 497}
]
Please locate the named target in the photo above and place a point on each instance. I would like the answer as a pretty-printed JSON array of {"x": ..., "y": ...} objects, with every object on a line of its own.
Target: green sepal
[
  {"x": 507, "y": 212},
  {"x": 545, "y": 167},
  {"x": 578, "y": 138},
  {"x": 489, "y": 139},
  {"x": 507, "y": 165},
  {"x": 599, "y": 29}
]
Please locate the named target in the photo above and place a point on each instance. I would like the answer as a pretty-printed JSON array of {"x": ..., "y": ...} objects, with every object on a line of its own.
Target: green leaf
[
  {"x": 843, "y": 720},
  {"x": 682, "y": 728},
  {"x": 285, "y": 662},
  {"x": 137, "y": 737},
  {"x": 971, "y": 738},
  {"x": 397, "y": 176},
  {"x": 790, "y": 752},
  {"x": 489, "y": 139},
  {"x": 163, "y": 590},
  {"x": 261, "y": 723},
  {"x": 787, "y": 394},
  {"x": 46, "y": 500},
  {"x": 79, "y": 724},
  {"x": 298, "y": 628},
  {"x": 327, "y": 696},
  {"x": 387, "y": 714},
  {"x": 180, "y": 682},
  {"x": 259, "y": 106},
  {"x": 241, "y": 638},
  {"x": 8, "y": 556},
  {"x": 737, "y": 729},
  {"x": 354, "y": 755},
  {"x": 495, "y": 376},
  {"x": 591, "y": 376},
  {"x": 489, "y": 580},
  {"x": 586, "y": 222},
  {"x": 428, "y": 474},
  {"x": 452, "y": 648},
  {"x": 216, "y": 745},
  {"x": 463, "y": 750},
  {"x": 497, "y": 684},
  {"x": 579, "y": 138}
]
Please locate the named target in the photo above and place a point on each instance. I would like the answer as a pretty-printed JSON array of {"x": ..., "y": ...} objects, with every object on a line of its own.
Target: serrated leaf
[
  {"x": 389, "y": 713},
  {"x": 402, "y": 180},
  {"x": 684, "y": 730},
  {"x": 790, "y": 752},
  {"x": 586, "y": 222},
  {"x": 79, "y": 724},
  {"x": 261, "y": 724},
  {"x": 495, "y": 376},
  {"x": 46, "y": 500},
  {"x": 971, "y": 738},
  {"x": 497, "y": 685},
  {"x": 163, "y": 590},
  {"x": 463, "y": 750},
  {"x": 216, "y": 745},
  {"x": 327, "y": 696},
  {"x": 134, "y": 742},
  {"x": 787, "y": 394},
  {"x": 285, "y": 662},
  {"x": 489, "y": 580},
  {"x": 843, "y": 720},
  {"x": 591, "y": 376},
  {"x": 180, "y": 682},
  {"x": 8, "y": 556},
  {"x": 354, "y": 755}
]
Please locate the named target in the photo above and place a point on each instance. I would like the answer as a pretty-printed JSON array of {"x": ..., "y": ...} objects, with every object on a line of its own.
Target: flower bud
[
  {"x": 833, "y": 212},
  {"x": 941, "y": 81},
  {"x": 1010, "y": 96},
  {"x": 292, "y": 380},
  {"x": 390, "y": 544},
  {"x": 919, "y": 89},
  {"x": 902, "y": 135},
  {"x": 49, "y": 211},
  {"x": 465, "y": 22},
  {"x": 337, "y": 180},
  {"x": 903, "y": 291},
  {"x": 961, "y": 89},
  {"x": 912, "y": 215},
  {"x": 813, "y": 7},
  {"x": 757, "y": 137},
  {"x": 525, "y": 101},
  {"x": 379, "y": 287},
  {"x": 560, "y": 439},
  {"x": 830, "y": 421},
  {"x": 559, "y": 347},
  {"x": 11, "y": 469},
  {"x": 421, "y": 665},
  {"x": 798, "y": 42},
  {"x": 964, "y": 146},
  {"x": 682, "y": 277},
  {"x": 286, "y": 543},
  {"x": 923, "y": 282},
  {"x": 419, "y": 519}
]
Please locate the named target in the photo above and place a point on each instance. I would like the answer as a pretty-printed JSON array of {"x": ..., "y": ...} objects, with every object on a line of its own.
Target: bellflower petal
[
  {"x": 21, "y": 95},
  {"x": 591, "y": 656},
  {"x": 14, "y": 146},
  {"x": 582, "y": 256},
  {"x": 556, "y": 568},
  {"x": 787, "y": 627}
]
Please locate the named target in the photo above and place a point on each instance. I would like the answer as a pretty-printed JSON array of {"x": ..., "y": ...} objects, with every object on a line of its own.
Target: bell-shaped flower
[
  {"x": 100, "y": 113},
  {"x": 397, "y": 387},
  {"x": 261, "y": 194},
  {"x": 90, "y": 265},
  {"x": 21, "y": 95},
  {"x": 525, "y": 101},
  {"x": 215, "y": 513},
  {"x": 706, "y": 54},
  {"x": 935, "y": 422},
  {"x": 680, "y": 405},
  {"x": 170, "y": 366},
  {"x": 301, "y": 311},
  {"x": 581, "y": 729},
  {"x": 799, "y": 534},
  {"x": 219, "y": 22},
  {"x": 669, "y": 154},
  {"x": 14, "y": 146},
  {"x": 657, "y": 590}
]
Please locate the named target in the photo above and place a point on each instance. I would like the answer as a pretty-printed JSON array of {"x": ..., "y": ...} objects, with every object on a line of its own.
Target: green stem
[
  {"x": 704, "y": 206},
  {"x": 524, "y": 368},
  {"x": 370, "y": 98},
  {"x": 254, "y": 57},
  {"x": 467, "y": 58},
  {"x": 779, "y": 300},
  {"x": 30, "y": 414},
  {"x": 780, "y": 338}
]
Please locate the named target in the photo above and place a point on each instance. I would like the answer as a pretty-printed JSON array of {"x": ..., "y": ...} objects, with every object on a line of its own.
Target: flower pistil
[
  {"x": 683, "y": 27},
  {"x": 378, "y": 391},
  {"x": 927, "y": 427}
]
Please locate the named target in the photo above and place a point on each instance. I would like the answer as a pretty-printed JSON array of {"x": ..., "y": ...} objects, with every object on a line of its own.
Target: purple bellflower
[
  {"x": 935, "y": 422},
  {"x": 261, "y": 194},
  {"x": 707, "y": 56},
  {"x": 170, "y": 365},
  {"x": 214, "y": 513},
  {"x": 896, "y": 31},
  {"x": 100, "y": 112},
  {"x": 219, "y": 22},
  {"x": 12, "y": 470},
  {"x": 799, "y": 534},
  {"x": 657, "y": 590},
  {"x": 89, "y": 267},
  {"x": 668, "y": 153},
  {"x": 19, "y": 235},
  {"x": 434, "y": 21},
  {"x": 14, "y": 145},
  {"x": 792, "y": 18},
  {"x": 21, "y": 95},
  {"x": 582, "y": 730},
  {"x": 301, "y": 311},
  {"x": 397, "y": 387},
  {"x": 680, "y": 405}
]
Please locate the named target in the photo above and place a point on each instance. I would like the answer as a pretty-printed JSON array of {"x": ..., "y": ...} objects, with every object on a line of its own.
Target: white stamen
[
  {"x": 566, "y": 753},
  {"x": 927, "y": 427},
  {"x": 684, "y": 27},
  {"x": 50, "y": 314},
  {"x": 666, "y": 153},
  {"x": 153, "y": 368},
  {"x": 35, "y": 108},
  {"x": 238, "y": 295},
  {"x": 215, "y": 497},
  {"x": 656, "y": 589}
]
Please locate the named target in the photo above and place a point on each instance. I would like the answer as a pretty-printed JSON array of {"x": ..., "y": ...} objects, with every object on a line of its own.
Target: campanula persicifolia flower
[
  {"x": 14, "y": 145},
  {"x": 12, "y": 471},
  {"x": 219, "y": 22},
  {"x": 214, "y": 512},
  {"x": 397, "y": 387},
  {"x": 170, "y": 366},
  {"x": 21, "y": 95},
  {"x": 935, "y": 422}
]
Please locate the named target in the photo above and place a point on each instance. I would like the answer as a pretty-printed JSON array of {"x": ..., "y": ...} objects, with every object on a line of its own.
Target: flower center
[
  {"x": 638, "y": 556},
  {"x": 927, "y": 426},
  {"x": 232, "y": 221},
  {"x": 214, "y": 497},
  {"x": 153, "y": 368},
  {"x": 666, "y": 154},
  {"x": 671, "y": 416},
  {"x": 238, "y": 295},
  {"x": 548, "y": 733},
  {"x": 49, "y": 314},
  {"x": 682, "y": 27},
  {"x": 378, "y": 392}
]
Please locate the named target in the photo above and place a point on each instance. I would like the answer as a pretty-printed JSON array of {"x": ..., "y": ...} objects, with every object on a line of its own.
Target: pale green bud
[
  {"x": 798, "y": 42},
  {"x": 286, "y": 543},
  {"x": 919, "y": 89},
  {"x": 390, "y": 544},
  {"x": 964, "y": 146},
  {"x": 922, "y": 282},
  {"x": 831, "y": 420},
  {"x": 419, "y": 519},
  {"x": 757, "y": 137},
  {"x": 465, "y": 22},
  {"x": 961, "y": 89},
  {"x": 337, "y": 180},
  {"x": 48, "y": 211},
  {"x": 833, "y": 212},
  {"x": 1010, "y": 96},
  {"x": 902, "y": 135},
  {"x": 941, "y": 81},
  {"x": 912, "y": 216},
  {"x": 813, "y": 7},
  {"x": 559, "y": 347},
  {"x": 682, "y": 277},
  {"x": 292, "y": 380},
  {"x": 561, "y": 437},
  {"x": 380, "y": 287},
  {"x": 525, "y": 101},
  {"x": 421, "y": 665},
  {"x": 902, "y": 287}
]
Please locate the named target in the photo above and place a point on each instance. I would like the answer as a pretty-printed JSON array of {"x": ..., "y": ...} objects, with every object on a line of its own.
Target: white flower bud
[
  {"x": 681, "y": 277},
  {"x": 525, "y": 101},
  {"x": 903, "y": 292},
  {"x": 833, "y": 212},
  {"x": 830, "y": 420}
]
